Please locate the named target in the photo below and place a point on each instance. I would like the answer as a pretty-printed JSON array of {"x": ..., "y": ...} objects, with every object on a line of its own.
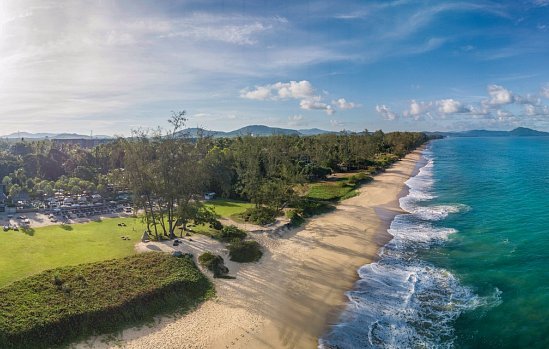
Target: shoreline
[{"x": 297, "y": 291}]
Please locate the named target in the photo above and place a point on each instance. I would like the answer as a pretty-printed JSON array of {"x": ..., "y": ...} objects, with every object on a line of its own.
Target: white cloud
[
  {"x": 540, "y": 3},
  {"x": 294, "y": 89},
  {"x": 545, "y": 90},
  {"x": 536, "y": 110},
  {"x": 296, "y": 120},
  {"x": 341, "y": 103},
  {"x": 386, "y": 112},
  {"x": 499, "y": 95},
  {"x": 504, "y": 115},
  {"x": 302, "y": 90},
  {"x": 315, "y": 104},
  {"x": 280, "y": 90},
  {"x": 451, "y": 106},
  {"x": 336, "y": 123},
  {"x": 260, "y": 93},
  {"x": 418, "y": 108}
]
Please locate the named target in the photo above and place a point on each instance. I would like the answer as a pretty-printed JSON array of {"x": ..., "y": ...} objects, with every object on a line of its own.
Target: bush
[
  {"x": 245, "y": 251},
  {"x": 216, "y": 224},
  {"x": 213, "y": 263},
  {"x": 259, "y": 215},
  {"x": 309, "y": 207},
  {"x": 295, "y": 218},
  {"x": 56, "y": 306},
  {"x": 231, "y": 233}
]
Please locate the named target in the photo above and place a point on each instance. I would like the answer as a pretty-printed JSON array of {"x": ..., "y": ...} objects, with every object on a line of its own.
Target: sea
[{"x": 468, "y": 266}]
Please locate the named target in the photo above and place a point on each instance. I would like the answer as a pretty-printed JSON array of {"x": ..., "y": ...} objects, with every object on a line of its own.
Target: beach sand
[{"x": 297, "y": 290}]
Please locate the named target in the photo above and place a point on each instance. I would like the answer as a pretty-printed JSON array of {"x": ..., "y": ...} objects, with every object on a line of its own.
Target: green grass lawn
[
  {"x": 23, "y": 254},
  {"x": 227, "y": 208},
  {"x": 330, "y": 190}
]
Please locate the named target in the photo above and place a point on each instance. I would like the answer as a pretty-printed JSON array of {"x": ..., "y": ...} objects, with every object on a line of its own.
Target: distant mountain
[
  {"x": 29, "y": 135},
  {"x": 528, "y": 132},
  {"x": 37, "y": 136},
  {"x": 261, "y": 130},
  {"x": 313, "y": 131},
  {"x": 517, "y": 132},
  {"x": 253, "y": 130},
  {"x": 197, "y": 131}
]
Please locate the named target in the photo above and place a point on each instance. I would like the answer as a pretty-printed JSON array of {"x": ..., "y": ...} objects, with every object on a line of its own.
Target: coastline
[{"x": 297, "y": 291}]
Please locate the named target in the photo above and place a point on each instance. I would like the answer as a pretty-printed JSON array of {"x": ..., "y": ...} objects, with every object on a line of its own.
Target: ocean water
[{"x": 468, "y": 267}]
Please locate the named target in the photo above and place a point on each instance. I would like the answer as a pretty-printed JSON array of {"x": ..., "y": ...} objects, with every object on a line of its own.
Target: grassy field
[
  {"x": 59, "y": 305},
  {"x": 330, "y": 190},
  {"x": 23, "y": 254},
  {"x": 228, "y": 208},
  {"x": 340, "y": 188}
]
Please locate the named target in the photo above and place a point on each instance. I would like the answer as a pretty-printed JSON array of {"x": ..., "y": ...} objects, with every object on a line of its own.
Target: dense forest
[{"x": 166, "y": 172}]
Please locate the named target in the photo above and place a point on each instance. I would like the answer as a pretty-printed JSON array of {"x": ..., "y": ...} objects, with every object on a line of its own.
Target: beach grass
[{"x": 56, "y": 306}]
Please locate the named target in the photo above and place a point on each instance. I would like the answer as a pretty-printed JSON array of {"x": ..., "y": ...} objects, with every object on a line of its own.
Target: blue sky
[{"x": 113, "y": 66}]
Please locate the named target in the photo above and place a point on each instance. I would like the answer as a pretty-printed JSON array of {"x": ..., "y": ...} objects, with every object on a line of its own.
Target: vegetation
[
  {"x": 213, "y": 263},
  {"x": 340, "y": 188},
  {"x": 258, "y": 215},
  {"x": 167, "y": 172},
  {"x": 24, "y": 254},
  {"x": 227, "y": 208},
  {"x": 68, "y": 303},
  {"x": 244, "y": 251},
  {"x": 231, "y": 233}
]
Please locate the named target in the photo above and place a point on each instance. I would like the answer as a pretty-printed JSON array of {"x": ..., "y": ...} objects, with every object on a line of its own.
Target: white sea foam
[{"x": 401, "y": 301}]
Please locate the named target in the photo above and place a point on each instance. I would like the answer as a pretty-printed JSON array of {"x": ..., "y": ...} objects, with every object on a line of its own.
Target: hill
[
  {"x": 253, "y": 130},
  {"x": 517, "y": 132},
  {"x": 46, "y": 135}
]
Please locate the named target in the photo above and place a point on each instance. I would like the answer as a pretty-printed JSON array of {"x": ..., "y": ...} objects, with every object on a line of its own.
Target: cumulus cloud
[
  {"x": 451, "y": 106},
  {"x": 418, "y": 108},
  {"x": 341, "y": 103},
  {"x": 300, "y": 90},
  {"x": 502, "y": 107},
  {"x": 504, "y": 115},
  {"x": 386, "y": 112},
  {"x": 315, "y": 103},
  {"x": 499, "y": 95},
  {"x": 545, "y": 91},
  {"x": 280, "y": 91},
  {"x": 536, "y": 110}
]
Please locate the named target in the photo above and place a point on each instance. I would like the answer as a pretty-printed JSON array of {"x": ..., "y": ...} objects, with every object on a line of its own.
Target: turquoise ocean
[{"x": 468, "y": 267}]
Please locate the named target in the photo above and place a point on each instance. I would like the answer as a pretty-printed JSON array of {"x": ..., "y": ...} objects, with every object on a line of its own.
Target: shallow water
[{"x": 468, "y": 267}]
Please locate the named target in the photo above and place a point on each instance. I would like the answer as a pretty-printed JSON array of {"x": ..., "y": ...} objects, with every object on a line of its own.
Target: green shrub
[
  {"x": 309, "y": 207},
  {"x": 232, "y": 232},
  {"x": 259, "y": 215},
  {"x": 216, "y": 224},
  {"x": 213, "y": 263},
  {"x": 295, "y": 218},
  {"x": 96, "y": 298},
  {"x": 245, "y": 251}
]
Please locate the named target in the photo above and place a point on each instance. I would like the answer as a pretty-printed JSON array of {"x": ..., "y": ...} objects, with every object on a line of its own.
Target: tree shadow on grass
[
  {"x": 29, "y": 231},
  {"x": 67, "y": 227}
]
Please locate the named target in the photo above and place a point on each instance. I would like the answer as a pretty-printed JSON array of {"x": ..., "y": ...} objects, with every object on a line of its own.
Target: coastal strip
[{"x": 292, "y": 296}]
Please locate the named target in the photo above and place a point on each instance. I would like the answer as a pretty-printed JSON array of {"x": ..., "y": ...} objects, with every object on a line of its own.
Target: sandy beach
[{"x": 296, "y": 291}]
